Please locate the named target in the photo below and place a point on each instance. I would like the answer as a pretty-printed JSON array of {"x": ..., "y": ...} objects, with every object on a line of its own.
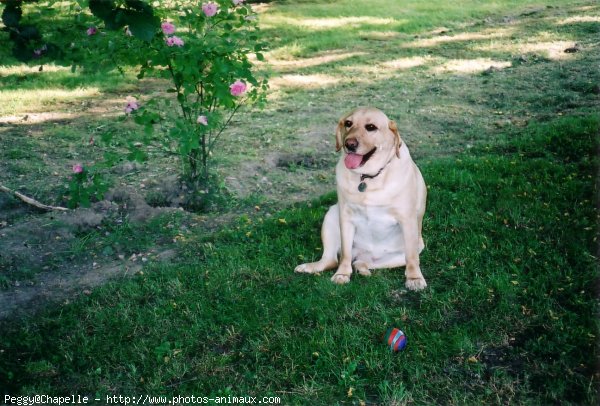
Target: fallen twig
[{"x": 30, "y": 200}]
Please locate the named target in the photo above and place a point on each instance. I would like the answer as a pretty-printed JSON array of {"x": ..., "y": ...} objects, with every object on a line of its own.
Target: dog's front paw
[
  {"x": 340, "y": 278},
  {"x": 342, "y": 275},
  {"x": 415, "y": 283},
  {"x": 316, "y": 267},
  {"x": 312, "y": 267}
]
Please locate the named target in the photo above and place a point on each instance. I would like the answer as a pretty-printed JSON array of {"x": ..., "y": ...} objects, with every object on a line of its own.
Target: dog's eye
[
  {"x": 370, "y": 127},
  {"x": 347, "y": 123}
]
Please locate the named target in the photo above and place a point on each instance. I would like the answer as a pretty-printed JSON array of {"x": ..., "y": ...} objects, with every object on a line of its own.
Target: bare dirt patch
[
  {"x": 40, "y": 259},
  {"x": 71, "y": 282}
]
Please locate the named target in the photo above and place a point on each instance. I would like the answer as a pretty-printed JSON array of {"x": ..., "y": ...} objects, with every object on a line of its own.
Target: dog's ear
[
  {"x": 397, "y": 139},
  {"x": 339, "y": 135}
]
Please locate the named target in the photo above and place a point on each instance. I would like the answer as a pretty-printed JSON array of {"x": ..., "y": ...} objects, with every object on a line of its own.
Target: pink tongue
[{"x": 353, "y": 161}]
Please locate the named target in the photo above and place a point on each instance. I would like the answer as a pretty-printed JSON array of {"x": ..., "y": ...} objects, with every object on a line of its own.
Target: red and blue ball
[{"x": 395, "y": 339}]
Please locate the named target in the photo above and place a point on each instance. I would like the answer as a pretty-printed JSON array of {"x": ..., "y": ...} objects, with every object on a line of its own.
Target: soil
[
  {"x": 44, "y": 242},
  {"x": 64, "y": 286}
]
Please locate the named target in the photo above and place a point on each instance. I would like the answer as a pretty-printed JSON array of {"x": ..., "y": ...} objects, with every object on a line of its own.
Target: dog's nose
[{"x": 351, "y": 144}]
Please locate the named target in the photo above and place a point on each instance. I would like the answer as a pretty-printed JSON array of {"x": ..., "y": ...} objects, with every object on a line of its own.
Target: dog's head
[{"x": 368, "y": 139}]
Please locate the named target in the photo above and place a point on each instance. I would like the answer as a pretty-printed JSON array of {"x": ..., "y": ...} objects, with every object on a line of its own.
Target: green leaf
[
  {"x": 111, "y": 158},
  {"x": 115, "y": 20},
  {"x": 194, "y": 142},
  {"x": 140, "y": 119},
  {"x": 139, "y": 6},
  {"x": 101, "y": 186},
  {"x": 146, "y": 117},
  {"x": 12, "y": 15},
  {"x": 148, "y": 129},
  {"x": 106, "y": 137},
  {"x": 136, "y": 154},
  {"x": 29, "y": 32},
  {"x": 143, "y": 25},
  {"x": 21, "y": 52},
  {"x": 138, "y": 15},
  {"x": 84, "y": 198},
  {"x": 185, "y": 146},
  {"x": 103, "y": 9}
]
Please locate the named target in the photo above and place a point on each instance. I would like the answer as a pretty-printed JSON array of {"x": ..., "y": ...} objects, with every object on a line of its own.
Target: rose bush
[
  {"x": 84, "y": 185},
  {"x": 201, "y": 48}
]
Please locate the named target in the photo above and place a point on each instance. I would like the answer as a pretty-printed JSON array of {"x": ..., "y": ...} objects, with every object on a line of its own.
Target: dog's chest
[{"x": 377, "y": 231}]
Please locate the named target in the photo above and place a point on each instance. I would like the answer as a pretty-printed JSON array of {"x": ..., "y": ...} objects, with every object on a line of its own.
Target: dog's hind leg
[{"x": 331, "y": 239}]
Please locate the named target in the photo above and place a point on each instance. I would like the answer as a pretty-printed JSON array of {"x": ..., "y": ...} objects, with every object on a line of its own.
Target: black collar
[{"x": 362, "y": 186}]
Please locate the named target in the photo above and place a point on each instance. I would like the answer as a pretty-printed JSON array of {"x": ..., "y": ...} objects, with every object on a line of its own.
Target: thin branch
[
  {"x": 216, "y": 137},
  {"x": 178, "y": 88},
  {"x": 31, "y": 201},
  {"x": 200, "y": 93}
]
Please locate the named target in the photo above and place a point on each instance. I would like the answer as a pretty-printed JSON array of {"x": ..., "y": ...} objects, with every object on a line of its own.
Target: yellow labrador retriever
[{"x": 377, "y": 221}]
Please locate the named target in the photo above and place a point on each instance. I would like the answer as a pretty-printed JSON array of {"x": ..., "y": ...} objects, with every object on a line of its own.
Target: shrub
[{"x": 202, "y": 50}]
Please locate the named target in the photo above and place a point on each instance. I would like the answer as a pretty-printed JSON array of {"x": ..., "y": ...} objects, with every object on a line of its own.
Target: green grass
[
  {"x": 424, "y": 63},
  {"x": 310, "y": 27},
  {"x": 509, "y": 316}
]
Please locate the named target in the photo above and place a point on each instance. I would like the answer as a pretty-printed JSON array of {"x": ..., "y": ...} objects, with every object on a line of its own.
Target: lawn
[
  {"x": 502, "y": 122},
  {"x": 509, "y": 317}
]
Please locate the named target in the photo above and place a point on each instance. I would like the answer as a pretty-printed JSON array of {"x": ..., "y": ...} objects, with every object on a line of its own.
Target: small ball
[{"x": 395, "y": 339}]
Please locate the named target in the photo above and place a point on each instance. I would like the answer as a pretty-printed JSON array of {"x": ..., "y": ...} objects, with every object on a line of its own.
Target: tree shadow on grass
[
  {"x": 52, "y": 76},
  {"x": 448, "y": 89},
  {"x": 454, "y": 88}
]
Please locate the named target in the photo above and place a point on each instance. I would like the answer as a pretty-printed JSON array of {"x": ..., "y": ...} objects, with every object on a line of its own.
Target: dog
[{"x": 378, "y": 219}]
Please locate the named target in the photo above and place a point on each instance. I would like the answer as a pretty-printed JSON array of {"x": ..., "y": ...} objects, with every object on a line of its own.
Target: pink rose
[
  {"x": 209, "y": 9},
  {"x": 178, "y": 41},
  {"x": 174, "y": 41},
  {"x": 202, "y": 120},
  {"x": 38, "y": 52},
  {"x": 167, "y": 28},
  {"x": 92, "y": 31},
  {"x": 132, "y": 104},
  {"x": 77, "y": 168},
  {"x": 238, "y": 88}
]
